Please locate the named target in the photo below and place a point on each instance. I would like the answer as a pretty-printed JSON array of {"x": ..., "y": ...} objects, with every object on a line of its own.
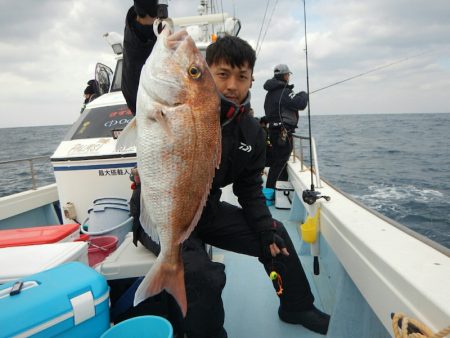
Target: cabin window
[
  {"x": 101, "y": 122},
  {"x": 117, "y": 80}
]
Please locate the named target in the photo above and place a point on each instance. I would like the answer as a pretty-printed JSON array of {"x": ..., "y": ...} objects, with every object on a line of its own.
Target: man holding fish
[{"x": 194, "y": 135}]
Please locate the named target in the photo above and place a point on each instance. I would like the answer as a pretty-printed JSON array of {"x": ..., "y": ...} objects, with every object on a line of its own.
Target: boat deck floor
[{"x": 251, "y": 305}]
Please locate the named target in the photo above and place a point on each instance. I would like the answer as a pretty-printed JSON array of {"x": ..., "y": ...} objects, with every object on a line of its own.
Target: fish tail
[{"x": 163, "y": 276}]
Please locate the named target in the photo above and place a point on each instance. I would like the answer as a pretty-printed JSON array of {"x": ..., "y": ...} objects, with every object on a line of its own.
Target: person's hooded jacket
[
  {"x": 138, "y": 44},
  {"x": 282, "y": 104}
]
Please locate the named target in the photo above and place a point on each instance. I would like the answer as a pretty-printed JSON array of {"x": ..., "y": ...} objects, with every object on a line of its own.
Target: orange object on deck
[{"x": 39, "y": 235}]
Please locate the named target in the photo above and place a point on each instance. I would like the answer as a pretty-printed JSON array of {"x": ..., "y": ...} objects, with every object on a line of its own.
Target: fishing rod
[
  {"x": 370, "y": 71},
  {"x": 309, "y": 100},
  {"x": 309, "y": 196}
]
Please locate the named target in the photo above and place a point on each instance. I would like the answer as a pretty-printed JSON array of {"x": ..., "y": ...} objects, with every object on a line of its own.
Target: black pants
[
  {"x": 281, "y": 150},
  {"x": 204, "y": 282},
  {"x": 228, "y": 230}
]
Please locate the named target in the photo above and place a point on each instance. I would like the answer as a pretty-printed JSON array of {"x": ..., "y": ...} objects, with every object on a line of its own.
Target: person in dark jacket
[
  {"x": 138, "y": 43},
  {"x": 90, "y": 93},
  {"x": 249, "y": 229},
  {"x": 281, "y": 108},
  {"x": 263, "y": 123}
]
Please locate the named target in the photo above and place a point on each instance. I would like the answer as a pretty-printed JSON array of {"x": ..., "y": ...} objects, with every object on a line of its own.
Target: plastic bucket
[
  {"x": 108, "y": 220},
  {"x": 120, "y": 230},
  {"x": 100, "y": 247},
  {"x": 269, "y": 194},
  {"x": 143, "y": 326},
  {"x": 309, "y": 232},
  {"x": 105, "y": 216},
  {"x": 111, "y": 200}
]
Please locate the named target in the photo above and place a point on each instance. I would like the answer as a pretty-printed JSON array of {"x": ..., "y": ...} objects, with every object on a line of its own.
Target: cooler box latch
[{"x": 83, "y": 307}]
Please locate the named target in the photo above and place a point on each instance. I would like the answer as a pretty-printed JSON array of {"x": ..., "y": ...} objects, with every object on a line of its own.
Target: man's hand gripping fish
[{"x": 178, "y": 144}]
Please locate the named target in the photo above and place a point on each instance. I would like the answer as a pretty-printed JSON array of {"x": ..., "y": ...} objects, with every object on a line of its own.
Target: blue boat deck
[{"x": 251, "y": 305}]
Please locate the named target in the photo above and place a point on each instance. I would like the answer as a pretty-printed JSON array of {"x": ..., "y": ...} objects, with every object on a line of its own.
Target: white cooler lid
[
  {"x": 284, "y": 185},
  {"x": 21, "y": 261},
  {"x": 127, "y": 261}
]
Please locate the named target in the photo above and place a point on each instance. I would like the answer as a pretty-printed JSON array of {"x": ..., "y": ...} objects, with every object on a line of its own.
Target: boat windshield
[{"x": 101, "y": 122}]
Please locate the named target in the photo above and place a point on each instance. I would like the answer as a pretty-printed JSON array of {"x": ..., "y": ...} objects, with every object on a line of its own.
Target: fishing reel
[{"x": 311, "y": 196}]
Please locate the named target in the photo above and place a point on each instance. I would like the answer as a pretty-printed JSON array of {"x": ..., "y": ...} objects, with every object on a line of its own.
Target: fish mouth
[{"x": 175, "y": 40}]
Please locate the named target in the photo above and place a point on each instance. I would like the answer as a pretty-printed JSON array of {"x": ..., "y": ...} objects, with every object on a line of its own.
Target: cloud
[{"x": 50, "y": 48}]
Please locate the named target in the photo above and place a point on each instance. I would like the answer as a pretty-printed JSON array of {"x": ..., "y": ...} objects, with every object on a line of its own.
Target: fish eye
[{"x": 194, "y": 72}]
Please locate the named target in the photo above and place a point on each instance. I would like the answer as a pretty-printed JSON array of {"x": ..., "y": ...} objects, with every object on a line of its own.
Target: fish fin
[
  {"x": 146, "y": 221},
  {"x": 218, "y": 157},
  {"x": 163, "y": 276},
  {"x": 160, "y": 117},
  {"x": 128, "y": 136}
]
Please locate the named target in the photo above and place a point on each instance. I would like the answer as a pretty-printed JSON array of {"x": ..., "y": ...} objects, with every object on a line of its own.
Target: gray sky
[{"x": 49, "y": 48}]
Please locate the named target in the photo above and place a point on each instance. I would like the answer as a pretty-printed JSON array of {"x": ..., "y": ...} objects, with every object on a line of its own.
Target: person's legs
[
  {"x": 204, "y": 282},
  {"x": 281, "y": 150},
  {"x": 230, "y": 231}
]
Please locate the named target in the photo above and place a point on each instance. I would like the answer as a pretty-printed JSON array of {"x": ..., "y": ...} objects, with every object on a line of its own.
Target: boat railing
[
  {"x": 17, "y": 172},
  {"x": 298, "y": 154}
]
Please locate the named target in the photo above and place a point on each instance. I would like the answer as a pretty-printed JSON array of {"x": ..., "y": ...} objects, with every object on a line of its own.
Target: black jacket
[
  {"x": 243, "y": 160},
  {"x": 282, "y": 104},
  {"x": 243, "y": 141},
  {"x": 135, "y": 211},
  {"x": 138, "y": 43}
]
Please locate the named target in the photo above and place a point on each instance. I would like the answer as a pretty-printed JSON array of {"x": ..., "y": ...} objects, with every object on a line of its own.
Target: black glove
[
  {"x": 144, "y": 7},
  {"x": 269, "y": 237}
]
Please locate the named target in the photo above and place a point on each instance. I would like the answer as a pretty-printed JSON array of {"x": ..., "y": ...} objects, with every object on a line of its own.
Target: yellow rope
[{"x": 401, "y": 330}]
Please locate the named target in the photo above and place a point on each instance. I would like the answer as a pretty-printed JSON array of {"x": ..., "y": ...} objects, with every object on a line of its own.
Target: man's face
[{"x": 233, "y": 82}]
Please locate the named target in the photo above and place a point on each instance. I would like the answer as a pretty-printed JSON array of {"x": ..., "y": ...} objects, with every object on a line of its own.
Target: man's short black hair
[{"x": 232, "y": 50}]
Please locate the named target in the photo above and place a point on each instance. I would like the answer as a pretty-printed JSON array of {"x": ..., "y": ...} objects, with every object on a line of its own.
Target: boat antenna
[{"x": 309, "y": 196}]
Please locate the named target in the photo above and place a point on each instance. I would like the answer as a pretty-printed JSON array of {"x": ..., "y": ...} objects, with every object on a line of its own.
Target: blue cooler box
[{"x": 71, "y": 300}]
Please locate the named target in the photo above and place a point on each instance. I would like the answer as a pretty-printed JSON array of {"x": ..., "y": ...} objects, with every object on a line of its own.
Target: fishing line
[
  {"x": 370, "y": 71},
  {"x": 262, "y": 26},
  {"x": 267, "y": 28}
]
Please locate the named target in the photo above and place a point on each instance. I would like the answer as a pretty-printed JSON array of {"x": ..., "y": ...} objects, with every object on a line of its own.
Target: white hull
[
  {"x": 394, "y": 271},
  {"x": 82, "y": 182}
]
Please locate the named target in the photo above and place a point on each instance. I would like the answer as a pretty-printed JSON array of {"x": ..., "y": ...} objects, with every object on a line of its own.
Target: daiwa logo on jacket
[{"x": 245, "y": 147}]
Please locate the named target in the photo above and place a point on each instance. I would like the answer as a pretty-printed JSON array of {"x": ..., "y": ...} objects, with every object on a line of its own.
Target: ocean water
[
  {"x": 398, "y": 165},
  {"x": 23, "y": 143}
]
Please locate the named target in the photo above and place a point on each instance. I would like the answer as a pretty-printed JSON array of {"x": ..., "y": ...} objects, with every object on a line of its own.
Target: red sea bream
[{"x": 178, "y": 144}]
